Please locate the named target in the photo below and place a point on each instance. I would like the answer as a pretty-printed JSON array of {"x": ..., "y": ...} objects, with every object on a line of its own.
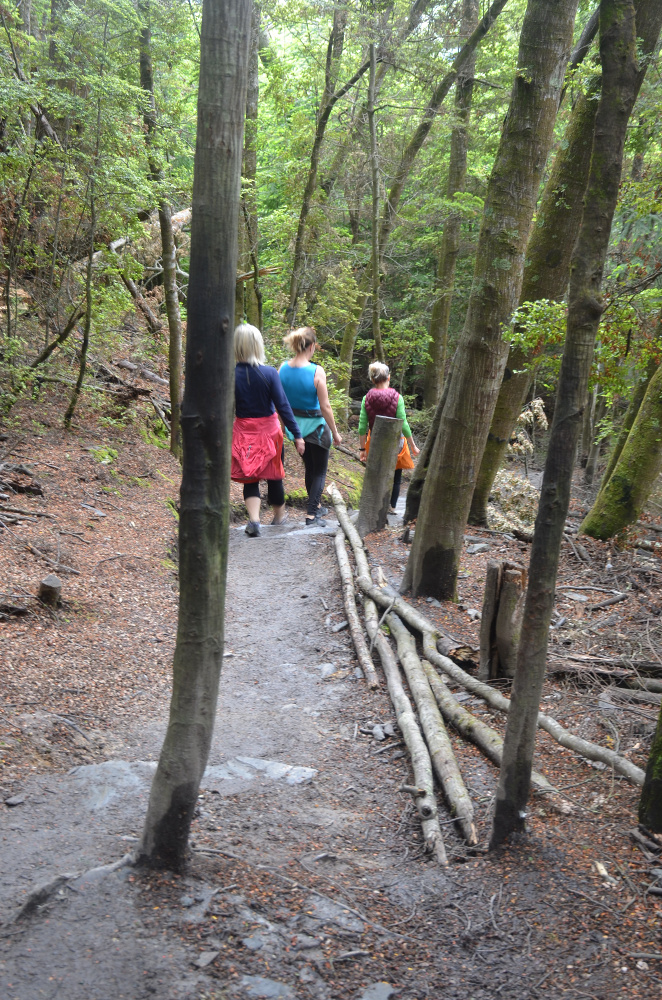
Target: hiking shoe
[
  {"x": 392, "y": 510},
  {"x": 322, "y": 511},
  {"x": 283, "y": 519},
  {"x": 317, "y": 521},
  {"x": 253, "y": 529}
]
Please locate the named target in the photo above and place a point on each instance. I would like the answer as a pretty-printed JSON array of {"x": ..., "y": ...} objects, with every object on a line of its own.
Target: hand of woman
[
  {"x": 337, "y": 439},
  {"x": 300, "y": 445},
  {"x": 414, "y": 449}
]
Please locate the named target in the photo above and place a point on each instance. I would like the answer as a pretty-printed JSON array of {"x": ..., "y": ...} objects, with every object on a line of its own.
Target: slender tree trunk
[
  {"x": 450, "y": 242},
  {"x": 168, "y": 248},
  {"x": 598, "y": 412},
  {"x": 73, "y": 402},
  {"x": 207, "y": 429},
  {"x": 620, "y": 84},
  {"x": 628, "y": 420},
  {"x": 622, "y": 499},
  {"x": 390, "y": 212},
  {"x": 374, "y": 170},
  {"x": 481, "y": 355},
  {"x": 248, "y": 222},
  {"x": 650, "y": 803}
]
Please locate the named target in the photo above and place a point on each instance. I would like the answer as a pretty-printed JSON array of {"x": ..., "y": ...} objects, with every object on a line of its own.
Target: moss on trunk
[{"x": 650, "y": 803}]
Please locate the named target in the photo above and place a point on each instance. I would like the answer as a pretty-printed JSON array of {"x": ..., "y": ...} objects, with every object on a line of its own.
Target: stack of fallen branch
[{"x": 427, "y": 738}]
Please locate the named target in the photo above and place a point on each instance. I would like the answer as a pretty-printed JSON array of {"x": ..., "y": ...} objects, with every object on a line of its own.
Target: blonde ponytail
[{"x": 301, "y": 339}]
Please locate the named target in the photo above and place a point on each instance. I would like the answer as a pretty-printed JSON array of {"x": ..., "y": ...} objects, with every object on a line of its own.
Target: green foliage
[{"x": 535, "y": 325}]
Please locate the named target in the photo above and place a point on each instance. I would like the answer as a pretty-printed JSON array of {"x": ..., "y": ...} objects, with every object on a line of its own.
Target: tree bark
[
  {"x": 628, "y": 420},
  {"x": 168, "y": 249},
  {"x": 594, "y": 446},
  {"x": 650, "y": 803},
  {"x": 207, "y": 427},
  {"x": 622, "y": 499},
  {"x": 620, "y": 84},
  {"x": 378, "y": 479},
  {"x": 481, "y": 354},
  {"x": 450, "y": 242},
  {"x": 546, "y": 276},
  {"x": 249, "y": 294},
  {"x": 374, "y": 235}
]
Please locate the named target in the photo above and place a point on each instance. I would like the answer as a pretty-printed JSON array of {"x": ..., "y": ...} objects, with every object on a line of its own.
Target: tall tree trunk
[
  {"x": 87, "y": 324},
  {"x": 547, "y": 263},
  {"x": 390, "y": 212},
  {"x": 650, "y": 803},
  {"x": 622, "y": 499},
  {"x": 628, "y": 420},
  {"x": 168, "y": 249},
  {"x": 374, "y": 171},
  {"x": 450, "y": 242},
  {"x": 620, "y": 84},
  {"x": 249, "y": 293},
  {"x": 207, "y": 429},
  {"x": 481, "y": 355},
  {"x": 598, "y": 412},
  {"x": 546, "y": 275},
  {"x": 329, "y": 101}
]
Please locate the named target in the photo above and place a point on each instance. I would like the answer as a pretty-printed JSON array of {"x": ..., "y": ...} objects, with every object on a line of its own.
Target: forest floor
[{"x": 307, "y": 874}]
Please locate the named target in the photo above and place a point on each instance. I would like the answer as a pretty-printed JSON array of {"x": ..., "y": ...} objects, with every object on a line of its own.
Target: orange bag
[{"x": 404, "y": 460}]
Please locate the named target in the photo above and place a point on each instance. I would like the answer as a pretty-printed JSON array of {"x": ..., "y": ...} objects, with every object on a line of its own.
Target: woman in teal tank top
[{"x": 305, "y": 387}]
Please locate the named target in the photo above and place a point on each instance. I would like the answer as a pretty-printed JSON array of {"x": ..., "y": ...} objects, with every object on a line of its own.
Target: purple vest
[{"x": 381, "y": 403}]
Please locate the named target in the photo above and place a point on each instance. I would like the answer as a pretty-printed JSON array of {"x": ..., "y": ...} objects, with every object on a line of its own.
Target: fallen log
[
  {"x": 592, "y": 751},
  {"x": 432, "y": 724},
  {"x": 434, "y": 842},
  {"x": 425, "y": 803},
  {"x": 349, "y": 600},
  {"x": 472, "y": 729}
]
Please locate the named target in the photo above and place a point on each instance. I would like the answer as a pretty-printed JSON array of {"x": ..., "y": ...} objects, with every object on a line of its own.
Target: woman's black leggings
[
  {"x": 316, "y": 460},
  {"x": 275, "y": 491},
  {"x": 397, "y": 479}
]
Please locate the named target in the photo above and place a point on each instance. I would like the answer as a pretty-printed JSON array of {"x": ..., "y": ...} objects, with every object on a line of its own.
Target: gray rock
[
  {"x": 326, "y": 669},
  {"x": 15, "y": 800},
  {"x": 378, "y": 733},
  {"x": 260, "y": 986},
  {"x": 473, "y": 550},
  {"x": 205, "y": 958},
  {"x": 571, "y": 595},
  {"x": 324, "y": 911},
  {"x": 389, "y": 729},
  {"x": 377, "y": 991},
  {"x": 340, "y": 626}
]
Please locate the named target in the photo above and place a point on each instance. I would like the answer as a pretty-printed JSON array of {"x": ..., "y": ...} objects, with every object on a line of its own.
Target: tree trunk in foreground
[
  {"x": 206, "y": 427},
  {"x": 622, "y": 499},
  {"x": 650, "y": 803},
  {"x": 450, "y": 242},
  {"x": 546, "y": 276},
  {"x": 481, "y": 354},
  {"x": 378, "y": 479},
  {"x": 620, "y": 84}
]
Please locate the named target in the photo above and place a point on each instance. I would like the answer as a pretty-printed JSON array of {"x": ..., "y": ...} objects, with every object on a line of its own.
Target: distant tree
[{"x": 206, "y": 431}]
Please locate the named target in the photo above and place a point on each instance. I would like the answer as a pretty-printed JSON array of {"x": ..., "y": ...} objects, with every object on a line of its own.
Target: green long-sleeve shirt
[{"x": 400, "y": 412}]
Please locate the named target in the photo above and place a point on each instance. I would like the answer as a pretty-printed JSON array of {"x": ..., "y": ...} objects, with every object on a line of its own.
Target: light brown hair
[
  {"x": 299, "y": 340},
  {"x": 378, "y": 372}
]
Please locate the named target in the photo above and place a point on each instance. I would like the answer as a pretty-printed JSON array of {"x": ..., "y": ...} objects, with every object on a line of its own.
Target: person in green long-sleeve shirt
[{"x": 382, "y": 401}]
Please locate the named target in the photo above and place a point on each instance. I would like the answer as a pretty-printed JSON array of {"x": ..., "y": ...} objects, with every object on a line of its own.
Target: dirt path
[{"x": 307, "y": 877}]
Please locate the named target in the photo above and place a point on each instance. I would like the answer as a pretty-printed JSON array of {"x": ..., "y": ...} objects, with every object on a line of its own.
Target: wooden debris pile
[{"x": 423, "y": 725}]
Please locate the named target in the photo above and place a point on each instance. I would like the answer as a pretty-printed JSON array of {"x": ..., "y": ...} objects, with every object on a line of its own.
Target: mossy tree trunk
[
  {"x": 450, "y": 241},
  {"x": 650, "y": 803},
  {"x": 547, "y": 265},
  {"x": 546, "y": 275},
  {"x": 622, "y": 499},
  {"x": 207, "y": 429},
  {"x": 481, "y": 355},
  {"x": 620, "y": 84},
  {"x": 628, "y": 420}
]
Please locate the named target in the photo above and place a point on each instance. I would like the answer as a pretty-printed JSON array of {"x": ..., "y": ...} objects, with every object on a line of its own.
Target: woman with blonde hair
[
  {"x": 257, "y": 437},
  {"x": 305, "y": 387},
  {"x": 382, "y": 401}
]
